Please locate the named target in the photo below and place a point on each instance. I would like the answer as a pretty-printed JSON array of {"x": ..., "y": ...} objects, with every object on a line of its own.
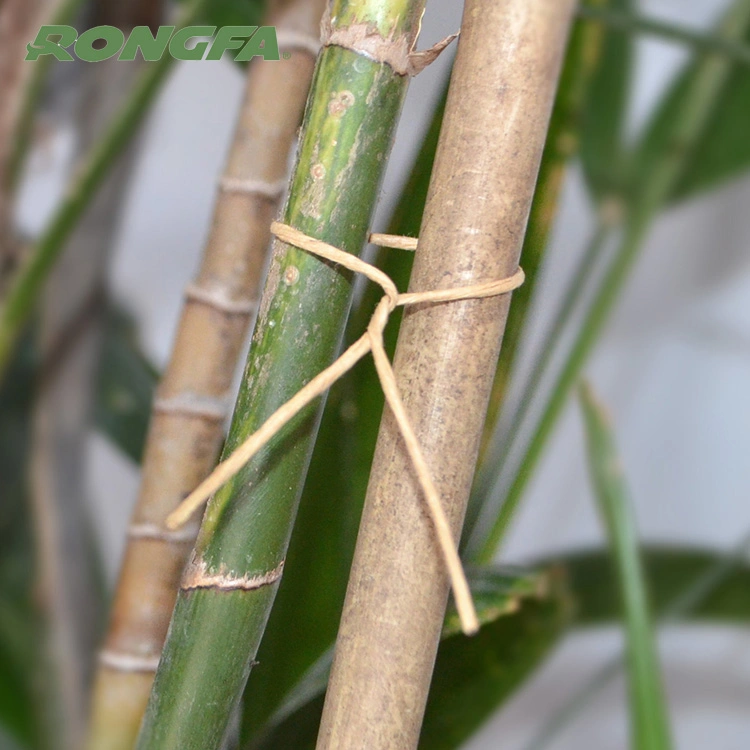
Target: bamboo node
[
  {"x": 198, "y": 576},
  {"x": 371, "y": 341},
  {"x": 397, "y": 52},
  {"x": 193, "y": 406},
  {"x": 271, "y": 190},
  {"x": 218, "y": 299},
  {"x": 292, "y": 39},
  {"x": 153, "y": 532},
  {"x": 121, "y": 661}
]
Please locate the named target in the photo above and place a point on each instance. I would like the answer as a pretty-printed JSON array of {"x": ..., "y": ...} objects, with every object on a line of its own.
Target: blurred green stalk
[
  {"x": 650, "y": 194},
  {"x": 648, "y": 709}
]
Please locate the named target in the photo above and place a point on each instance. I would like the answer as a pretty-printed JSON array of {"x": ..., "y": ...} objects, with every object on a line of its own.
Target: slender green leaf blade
[
  {"x": 604, "y": 117},
  {"x": 649, "y": 714},
  {"x": 125, "y": 389},
  {"x": 19, "y": 624}
]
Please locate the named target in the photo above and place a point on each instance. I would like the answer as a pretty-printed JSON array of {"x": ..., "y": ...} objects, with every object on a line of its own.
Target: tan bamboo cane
[
  {"x": 497, "y": 113},
  {"x": 193, "y": 400}
]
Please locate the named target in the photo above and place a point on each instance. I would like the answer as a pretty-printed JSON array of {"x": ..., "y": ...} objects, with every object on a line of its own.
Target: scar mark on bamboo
[
  {"x": 151, "y": 531},
  {"x": 197, "y": 576},
  {"x": 291, "y": 39},
  {"x": 218, "y": 299},
  {"x": 291, "y": 275},
  {"x": 122, "y": 661},
  {"x": 193, "y": 405},
  {"x": 270, "y": 190},
  {"x": 340, "y": 103}
]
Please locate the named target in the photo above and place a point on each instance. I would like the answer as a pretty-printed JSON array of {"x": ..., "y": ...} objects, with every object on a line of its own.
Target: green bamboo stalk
[
  {"x": 707, "y": 43},
  {"x": 230, "y": 584},
  {"x": 645, "y": 203},
  {"x": 24, "y": 288},
  {"x": 648, "y": 710}
]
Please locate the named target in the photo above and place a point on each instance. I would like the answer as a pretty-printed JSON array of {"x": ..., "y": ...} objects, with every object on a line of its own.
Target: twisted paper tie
[{"x": 372, "y": 341}]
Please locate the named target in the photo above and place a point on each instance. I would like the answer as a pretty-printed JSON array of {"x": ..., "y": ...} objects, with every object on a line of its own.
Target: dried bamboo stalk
[
  {"x": 497, "y": 113},
  {"x": 188, "y": 418}
]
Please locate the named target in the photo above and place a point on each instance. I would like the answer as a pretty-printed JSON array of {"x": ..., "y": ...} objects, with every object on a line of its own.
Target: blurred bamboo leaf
[
  {"x": 19, "y": 624},
  {"x": 231, "y": 13},
  {"x": 324, "y": 534},
  {"x": 512, "y": 605},
  {"x": 125, "y": 388},
  {"x": 605, "y": 114},
  {"x": 648, "y": 710},
  {"x": 587, "y": 582},
  {"x": 723, "y": 150}
]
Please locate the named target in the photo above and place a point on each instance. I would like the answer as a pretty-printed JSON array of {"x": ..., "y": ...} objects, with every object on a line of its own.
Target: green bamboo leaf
[
  {"x": 323, "y": 540},
  {"x": 722, "y": 152},
  {"x": 125, "y": 387},
  {"x": 648, "y": 711},
  {"x": 603, "y": 153}
]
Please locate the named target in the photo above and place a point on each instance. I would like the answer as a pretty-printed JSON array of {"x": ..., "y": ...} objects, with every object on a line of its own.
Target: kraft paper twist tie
[{"x": 371, "y": 341}]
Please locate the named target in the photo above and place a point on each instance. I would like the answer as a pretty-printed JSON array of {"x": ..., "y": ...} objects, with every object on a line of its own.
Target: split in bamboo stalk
[
  {"x": 221, "y": 611},
  {"x": 187, "y": 426},
  {"x": 490, "y": 147}
]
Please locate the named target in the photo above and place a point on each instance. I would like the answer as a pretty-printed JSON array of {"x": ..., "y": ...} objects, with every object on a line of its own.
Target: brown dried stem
[
  {"x": 497, "y": 113},
  {"x": 187, "y": 425}
]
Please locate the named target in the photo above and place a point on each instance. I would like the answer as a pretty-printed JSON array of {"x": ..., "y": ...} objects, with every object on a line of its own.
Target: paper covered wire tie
[{"x": 371, "y": 341}]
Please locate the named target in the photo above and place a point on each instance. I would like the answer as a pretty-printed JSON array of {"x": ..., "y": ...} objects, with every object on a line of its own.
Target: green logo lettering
[
  {"x": 178, "y": 46},
  {"x": 112, "y": 37},
  {"x": 263, "y": 44},
  {"x": 230, "y": 37},
  {"x": 105, "y": 42},
  {"x": 152, "y": 47},
  {"x": 43, "y": 45}
]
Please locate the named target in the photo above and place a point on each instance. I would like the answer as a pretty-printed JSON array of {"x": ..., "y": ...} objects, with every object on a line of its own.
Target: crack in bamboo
[
  {"x": 396, "y": 52},
  {"x": 198, "y": 576},
  {"x": 371, "y": 341}
]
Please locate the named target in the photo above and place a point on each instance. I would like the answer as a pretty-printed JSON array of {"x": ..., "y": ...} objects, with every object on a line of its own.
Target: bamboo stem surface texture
[
  {"x": 229, "y": 586},
  {"x": 497, "y": 113}
]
